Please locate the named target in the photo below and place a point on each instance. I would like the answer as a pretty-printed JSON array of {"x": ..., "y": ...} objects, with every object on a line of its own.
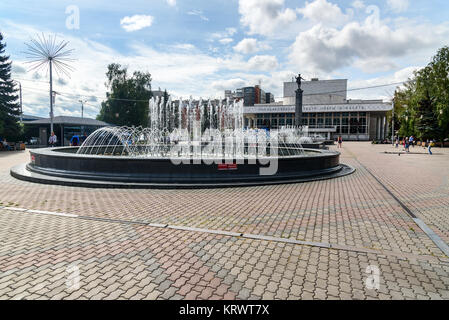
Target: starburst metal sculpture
[{"x": 48, "y": 53}]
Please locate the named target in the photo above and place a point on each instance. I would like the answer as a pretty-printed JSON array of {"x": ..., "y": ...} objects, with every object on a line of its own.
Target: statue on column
[
  {"x": 298, "y": 81},
  {"x": 298, "y": 104}
]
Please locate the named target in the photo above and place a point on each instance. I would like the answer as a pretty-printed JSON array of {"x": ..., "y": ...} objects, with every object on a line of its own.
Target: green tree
[
  {"x": 440, "y": 76},
  {"x": 9, "y": 105},
  {"x": 403, "y": 110},
  {"x": 424, "y": 104},
  {"x": 127, "y": 98}
]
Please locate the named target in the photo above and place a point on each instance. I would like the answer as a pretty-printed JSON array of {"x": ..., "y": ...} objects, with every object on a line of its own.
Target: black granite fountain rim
[
  {"x": 22, "y": 173},
  {"x": 59, "y": 152}
]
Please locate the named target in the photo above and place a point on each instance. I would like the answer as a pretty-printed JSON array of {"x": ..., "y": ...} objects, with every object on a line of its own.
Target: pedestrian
[
  {"x": 75, "y": 141},
  {"x": 53, "y": 140},
  {"x": 340, "y": 142},
  {"x": 397, "y": 142},
  {"x": 412, "y": 141},
  {"x": 5, "y": 144},
  {"x": 407, "y": 146},
  {"x": 430, "y": 143},
  {"x": 83, "y": 138}
]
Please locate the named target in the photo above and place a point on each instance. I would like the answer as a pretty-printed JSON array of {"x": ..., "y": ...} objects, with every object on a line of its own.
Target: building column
[{"x": 387, "y": 128}]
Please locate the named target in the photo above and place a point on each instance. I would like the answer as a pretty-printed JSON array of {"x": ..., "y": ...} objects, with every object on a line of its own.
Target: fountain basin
[{"x": 63, "y": 166}]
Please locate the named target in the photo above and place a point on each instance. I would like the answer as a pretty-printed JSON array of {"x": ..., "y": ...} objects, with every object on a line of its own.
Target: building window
[{"x": 354, "y": 123}]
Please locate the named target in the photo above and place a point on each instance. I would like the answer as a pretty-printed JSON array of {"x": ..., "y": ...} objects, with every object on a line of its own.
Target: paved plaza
[{"x": 298, "y": 241}]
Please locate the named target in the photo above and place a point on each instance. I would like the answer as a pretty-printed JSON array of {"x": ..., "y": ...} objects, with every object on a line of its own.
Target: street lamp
[
  {"x": 392, "y": 125},
  {"x": 82, "y": 107},
  {"x": 47, "y": 52}
]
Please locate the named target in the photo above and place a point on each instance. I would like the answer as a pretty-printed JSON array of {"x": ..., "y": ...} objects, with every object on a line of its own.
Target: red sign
[{"x": 224, "y": 166}]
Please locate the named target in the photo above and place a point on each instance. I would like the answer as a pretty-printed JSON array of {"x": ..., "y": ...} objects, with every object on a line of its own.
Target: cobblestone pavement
[{"x": 354, "y": 215}]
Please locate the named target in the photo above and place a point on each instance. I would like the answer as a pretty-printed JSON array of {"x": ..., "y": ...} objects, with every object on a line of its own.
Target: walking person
[
  {"x": 407, "y": 145},
  {"x": 412, "y": 141},
  {"x": 52, "y": 140},
  {"x": 340, "y": 142},
  {"x": 397, "y": 142},
  {"x": 430, "y": 143}
]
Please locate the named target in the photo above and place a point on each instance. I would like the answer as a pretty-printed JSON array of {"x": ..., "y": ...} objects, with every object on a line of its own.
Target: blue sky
[{"x": 201, "y": 48}]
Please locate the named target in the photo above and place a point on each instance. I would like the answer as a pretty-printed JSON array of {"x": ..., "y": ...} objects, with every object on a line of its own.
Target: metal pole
[
  {"x": 82, "y": 107},
  {"x": 21, "y": 110},
  {"x": 392, "y": 125},
  {"x": 51, "y": 97}
]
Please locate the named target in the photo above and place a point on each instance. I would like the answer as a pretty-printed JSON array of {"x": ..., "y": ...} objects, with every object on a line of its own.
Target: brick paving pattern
[{"x": 355, "y": 214}]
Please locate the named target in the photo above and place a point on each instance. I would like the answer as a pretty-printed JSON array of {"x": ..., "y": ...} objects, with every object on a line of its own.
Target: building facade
[
  {"x": 326, "y": 111},
  {"x": 250, "y": 95}
]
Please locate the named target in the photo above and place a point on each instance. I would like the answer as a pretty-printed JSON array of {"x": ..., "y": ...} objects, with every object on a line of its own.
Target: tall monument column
[{"x": 299, "y": 96}]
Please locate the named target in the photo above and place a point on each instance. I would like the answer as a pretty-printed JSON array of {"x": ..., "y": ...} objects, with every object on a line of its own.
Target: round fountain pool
[
  {"x": 185, "y": 146},
  {"x": 63, "y": 166}
]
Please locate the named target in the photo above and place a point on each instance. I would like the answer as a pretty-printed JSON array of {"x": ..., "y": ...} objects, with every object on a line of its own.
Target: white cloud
[
  {"x": 184, "y": 46},
  {"x": 228, "y": 32},
  {"x": 171, "y": 3},
  {"x": 385, "y": 93},
  {"x": 324, "y": 49},
  {"x": 398, "y": 6},
  {"x": 229, "y": 84},
  {"x": 265, "y": 17},
  {"x": 321, "y": 11},
  {"x": 198, "y": 13},
  {"x": 358, "y": 4},
  {"x": 250, "y": 45},
  {"x": 262, "y": 63},
  {"x": 226, "y": 40},
  {"x": 231, "y": 31},
  {"x": 136, "y": 22},
  {"x": 376, "y": 64}
]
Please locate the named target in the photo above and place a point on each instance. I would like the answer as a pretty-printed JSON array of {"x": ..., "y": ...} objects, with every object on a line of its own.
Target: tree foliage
[
  {"x": 9, "y": 105},
  {"x": 422, "y": 105},
  {"x": 127, "y": 98}
]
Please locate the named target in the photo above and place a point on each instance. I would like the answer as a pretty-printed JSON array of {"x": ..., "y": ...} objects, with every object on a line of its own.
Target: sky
[{"x": 201, "y": 48}]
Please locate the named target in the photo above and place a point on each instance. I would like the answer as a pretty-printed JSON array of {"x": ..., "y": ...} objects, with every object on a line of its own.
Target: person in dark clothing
[
  {"x": 75, "y": 141},
  {"x": 83, "y": 138}
]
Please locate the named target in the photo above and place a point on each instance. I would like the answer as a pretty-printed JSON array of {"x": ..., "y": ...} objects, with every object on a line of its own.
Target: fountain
[{"x": 186, "y": 144}]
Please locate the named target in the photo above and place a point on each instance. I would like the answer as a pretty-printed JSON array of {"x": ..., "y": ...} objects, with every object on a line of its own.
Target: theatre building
[{"x": 326, "y": 111}]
